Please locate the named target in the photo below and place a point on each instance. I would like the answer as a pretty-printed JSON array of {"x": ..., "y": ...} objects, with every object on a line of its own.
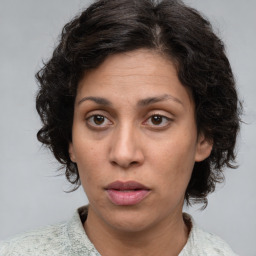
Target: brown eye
[
  {"x": 156, "y": 120},
  {"x": 98, "y": 120}
]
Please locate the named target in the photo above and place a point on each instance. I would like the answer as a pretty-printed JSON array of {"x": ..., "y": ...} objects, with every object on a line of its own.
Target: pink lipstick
[{"x": 126, "y": 193}]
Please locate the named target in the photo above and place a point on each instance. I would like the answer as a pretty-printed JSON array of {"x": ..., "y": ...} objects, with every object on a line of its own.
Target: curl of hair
[{"x": 168, "y": 27}]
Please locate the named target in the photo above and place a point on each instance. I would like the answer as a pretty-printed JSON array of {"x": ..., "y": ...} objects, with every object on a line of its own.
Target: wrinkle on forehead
[{"x": 132, "y": 70}]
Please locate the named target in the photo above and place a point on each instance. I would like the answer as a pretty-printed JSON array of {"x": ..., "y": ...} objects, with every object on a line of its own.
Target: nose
[{"x": 126, "y": 149}]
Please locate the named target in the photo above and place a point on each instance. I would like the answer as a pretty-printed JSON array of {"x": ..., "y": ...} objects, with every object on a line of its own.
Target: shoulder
[
  {"x": 211, "y": 244},
  {"x": 204, "y": 243},
  {"x": 44, "y": 241},
  {"x": 63, "y": 239}
]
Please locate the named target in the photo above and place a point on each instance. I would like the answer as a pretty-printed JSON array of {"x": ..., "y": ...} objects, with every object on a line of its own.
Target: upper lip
[{"x": 128, "y": 185}]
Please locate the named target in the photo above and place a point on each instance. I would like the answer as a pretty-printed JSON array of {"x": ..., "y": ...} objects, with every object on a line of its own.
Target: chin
[
  {"x": 130, "y": 220},
  {"x": 130, "y": 225}
]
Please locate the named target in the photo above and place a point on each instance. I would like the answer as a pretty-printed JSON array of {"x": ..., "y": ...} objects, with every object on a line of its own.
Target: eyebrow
[
  {"x": 141, "y": 103},
  {"x": 98, "y": 100},
  {"x": 152, "y": 100}
]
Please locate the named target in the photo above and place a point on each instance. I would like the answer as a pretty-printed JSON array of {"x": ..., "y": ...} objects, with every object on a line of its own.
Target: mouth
[{"x": 126, "y": 193}]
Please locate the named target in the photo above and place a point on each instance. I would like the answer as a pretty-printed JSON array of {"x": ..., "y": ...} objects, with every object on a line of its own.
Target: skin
[{"x": 154, "y": 142}]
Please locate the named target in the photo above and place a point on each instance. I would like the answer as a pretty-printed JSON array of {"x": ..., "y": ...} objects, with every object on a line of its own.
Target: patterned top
[{"x": 70, "y": 239}]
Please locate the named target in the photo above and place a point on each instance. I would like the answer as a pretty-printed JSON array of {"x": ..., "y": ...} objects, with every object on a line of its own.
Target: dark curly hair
[{"x": 169, "y": 27}]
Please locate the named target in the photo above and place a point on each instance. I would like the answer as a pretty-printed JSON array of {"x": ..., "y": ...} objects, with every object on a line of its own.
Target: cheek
[
  {"x": 174, "y": 162},
  {"x": 89, "y": 162},
  {"x": 174, "y": 152},
  {"x": 91, "y": 173}
]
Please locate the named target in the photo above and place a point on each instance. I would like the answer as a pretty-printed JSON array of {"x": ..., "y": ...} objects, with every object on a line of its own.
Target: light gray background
[{"x": 30, "y": 193}]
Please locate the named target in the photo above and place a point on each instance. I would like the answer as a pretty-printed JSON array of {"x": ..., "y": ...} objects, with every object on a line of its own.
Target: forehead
[
  {"x": 134, "y": 75},
  {"x": 131, "y": 64}
]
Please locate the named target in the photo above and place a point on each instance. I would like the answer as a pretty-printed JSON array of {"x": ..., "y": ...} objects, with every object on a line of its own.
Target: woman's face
[{"x": 134, "y": 139}]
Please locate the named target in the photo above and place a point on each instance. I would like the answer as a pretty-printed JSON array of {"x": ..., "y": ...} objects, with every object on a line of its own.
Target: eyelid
[
  {"x": 161, "y": 126},
  {"x": 167, "y": 119},
  {"x": 95, "y": 126},
  {"x": 95, "y": 112},
  {"x": 162, "y": 113}
]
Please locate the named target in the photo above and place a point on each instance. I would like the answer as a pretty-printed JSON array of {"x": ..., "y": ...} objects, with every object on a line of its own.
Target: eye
[
  {"x": 98, "y": 121},
  {"x": 158, "y": 121}
]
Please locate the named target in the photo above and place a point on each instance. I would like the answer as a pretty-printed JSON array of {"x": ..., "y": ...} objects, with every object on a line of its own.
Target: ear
[
  {"x": 204, "y": 148},
  {"x": 71, "y": 152}
]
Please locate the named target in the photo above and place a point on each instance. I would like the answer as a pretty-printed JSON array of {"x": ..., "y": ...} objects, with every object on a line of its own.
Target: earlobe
[
  {"x": 204, "y": 148},
  {"x": 71, "y": 152}
]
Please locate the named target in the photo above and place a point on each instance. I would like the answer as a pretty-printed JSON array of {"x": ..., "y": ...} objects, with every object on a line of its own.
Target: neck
[{"x": 169, "y": 237}]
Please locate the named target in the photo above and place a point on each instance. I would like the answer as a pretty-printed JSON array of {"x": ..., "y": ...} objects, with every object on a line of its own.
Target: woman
[{"x": 138, "y": 103}]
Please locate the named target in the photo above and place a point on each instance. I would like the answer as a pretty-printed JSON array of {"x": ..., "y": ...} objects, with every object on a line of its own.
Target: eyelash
[
  {"x": 96, "y": 125},
  {"x": 162, "y": 117},
  {"x": 91, "y": 119}
]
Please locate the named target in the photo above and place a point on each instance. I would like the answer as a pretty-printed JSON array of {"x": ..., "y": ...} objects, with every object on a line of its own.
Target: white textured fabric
[{"x": 70, "y": 239}]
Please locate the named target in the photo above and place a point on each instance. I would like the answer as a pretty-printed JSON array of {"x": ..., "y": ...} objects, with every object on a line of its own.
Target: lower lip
[{"x": 132, "y": 197}]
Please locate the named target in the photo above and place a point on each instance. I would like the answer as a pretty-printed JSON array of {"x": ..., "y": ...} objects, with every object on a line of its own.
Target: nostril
[
  {"x": 124, "y": 165},
  {"x": 114, "y": 163}
]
